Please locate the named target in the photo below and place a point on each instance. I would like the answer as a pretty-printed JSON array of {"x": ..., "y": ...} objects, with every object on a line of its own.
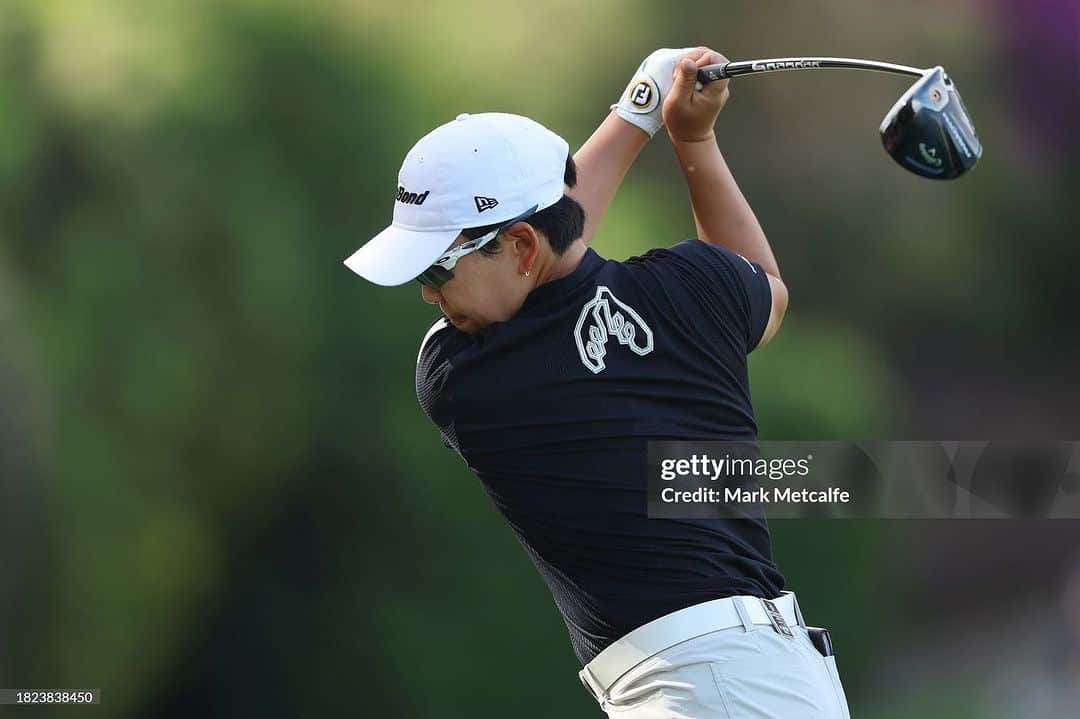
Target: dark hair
[{"x": 561, "y": 224}]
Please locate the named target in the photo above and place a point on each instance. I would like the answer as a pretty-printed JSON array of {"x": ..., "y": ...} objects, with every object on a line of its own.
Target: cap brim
[{"x": 396, "y": 255}]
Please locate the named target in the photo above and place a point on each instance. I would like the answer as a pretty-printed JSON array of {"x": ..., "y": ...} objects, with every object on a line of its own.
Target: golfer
[{"x": 551, "y": 368}]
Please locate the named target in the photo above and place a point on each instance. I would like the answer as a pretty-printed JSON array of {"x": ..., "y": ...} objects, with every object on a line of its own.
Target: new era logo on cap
[{"x": 485, "y": 203}]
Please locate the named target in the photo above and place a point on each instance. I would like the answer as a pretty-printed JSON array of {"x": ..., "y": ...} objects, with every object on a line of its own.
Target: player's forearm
[
  {"x": 602, "y": 163},
  {"x": 722, "y": 214}
]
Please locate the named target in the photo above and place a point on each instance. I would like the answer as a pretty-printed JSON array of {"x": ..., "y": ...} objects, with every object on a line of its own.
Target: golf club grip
[{"x": 710, "y": 73}]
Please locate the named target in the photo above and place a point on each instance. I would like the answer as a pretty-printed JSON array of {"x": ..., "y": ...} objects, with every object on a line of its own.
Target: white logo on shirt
[{"x": 599, "y": 320}]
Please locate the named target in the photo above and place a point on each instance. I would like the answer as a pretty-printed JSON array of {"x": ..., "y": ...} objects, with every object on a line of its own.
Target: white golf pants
[{"x": 748, "y": 671}]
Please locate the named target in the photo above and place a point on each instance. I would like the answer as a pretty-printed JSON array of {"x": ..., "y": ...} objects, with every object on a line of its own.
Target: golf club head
[{"x": 928, "y": 130}]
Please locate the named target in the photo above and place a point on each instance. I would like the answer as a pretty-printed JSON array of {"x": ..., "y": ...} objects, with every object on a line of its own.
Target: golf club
[{"x": 928, "y": 131}]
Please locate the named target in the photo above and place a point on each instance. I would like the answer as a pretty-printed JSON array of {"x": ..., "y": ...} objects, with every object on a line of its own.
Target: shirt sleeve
[
  {"x": 729, "y": 289},
  {"x": 433, "y": 367}
]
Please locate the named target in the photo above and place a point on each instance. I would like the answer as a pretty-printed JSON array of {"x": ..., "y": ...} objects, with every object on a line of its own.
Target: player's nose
[{"x": 432, "y": 297}]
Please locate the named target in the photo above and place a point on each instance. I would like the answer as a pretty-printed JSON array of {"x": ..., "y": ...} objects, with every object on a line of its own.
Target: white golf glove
[{"x": 642, "y": 101}]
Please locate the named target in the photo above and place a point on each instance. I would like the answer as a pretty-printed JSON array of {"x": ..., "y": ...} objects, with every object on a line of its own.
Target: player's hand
[
  {"x": 643, "y": 97},
  {"x": 690, "y": 110}
]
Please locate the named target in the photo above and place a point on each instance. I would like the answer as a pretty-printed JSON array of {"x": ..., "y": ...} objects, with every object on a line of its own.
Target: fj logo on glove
[
  {"x": 411, "y": 198},
  {"x": 606, "y": 316},
  {"x": 643, "y": 95},
  {"x": 485, "y": 203}
]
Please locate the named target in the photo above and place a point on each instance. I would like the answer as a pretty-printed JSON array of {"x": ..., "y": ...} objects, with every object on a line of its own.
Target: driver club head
[{"x": 929, "y": 132}]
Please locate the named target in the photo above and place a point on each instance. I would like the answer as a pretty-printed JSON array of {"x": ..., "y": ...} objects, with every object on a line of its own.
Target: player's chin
[{"x": 464, "y": 324}]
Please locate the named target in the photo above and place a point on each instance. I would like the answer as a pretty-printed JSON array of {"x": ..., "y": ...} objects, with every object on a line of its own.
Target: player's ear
[{"x": 523, "y": 241}]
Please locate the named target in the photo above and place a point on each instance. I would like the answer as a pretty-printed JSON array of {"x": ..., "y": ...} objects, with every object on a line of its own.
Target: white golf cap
[{"x": 475, "y": 171}]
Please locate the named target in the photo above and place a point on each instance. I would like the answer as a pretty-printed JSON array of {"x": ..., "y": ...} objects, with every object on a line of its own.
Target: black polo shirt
[{"x": 553, "y": 408}]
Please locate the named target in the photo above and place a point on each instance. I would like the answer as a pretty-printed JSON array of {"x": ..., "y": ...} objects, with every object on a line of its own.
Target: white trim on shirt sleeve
[{"x": 441, "y": 323}]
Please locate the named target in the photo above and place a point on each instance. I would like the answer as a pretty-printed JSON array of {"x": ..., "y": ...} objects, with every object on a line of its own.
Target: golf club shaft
[{"x": 710, "y": 73}]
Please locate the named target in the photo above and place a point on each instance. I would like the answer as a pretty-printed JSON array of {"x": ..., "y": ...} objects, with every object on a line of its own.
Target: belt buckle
[{"x": 777, "y": 619}]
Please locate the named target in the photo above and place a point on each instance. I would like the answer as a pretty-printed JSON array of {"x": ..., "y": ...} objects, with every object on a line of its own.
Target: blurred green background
[{"x": 218, "y": 494}]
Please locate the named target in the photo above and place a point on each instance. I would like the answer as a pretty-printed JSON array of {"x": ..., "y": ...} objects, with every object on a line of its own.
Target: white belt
[{"x": 680, "y": 626}]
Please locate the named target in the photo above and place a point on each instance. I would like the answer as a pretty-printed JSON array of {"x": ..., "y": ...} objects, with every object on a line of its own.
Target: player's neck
[{"x": 562, "y": 265}]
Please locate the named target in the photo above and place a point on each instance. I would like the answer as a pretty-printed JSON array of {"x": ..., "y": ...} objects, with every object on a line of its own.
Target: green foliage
[{"x": 819, "y": 380}]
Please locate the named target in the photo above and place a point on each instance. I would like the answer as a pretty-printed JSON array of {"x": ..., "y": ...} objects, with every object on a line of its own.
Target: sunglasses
[{"x": 441, "y": 271}]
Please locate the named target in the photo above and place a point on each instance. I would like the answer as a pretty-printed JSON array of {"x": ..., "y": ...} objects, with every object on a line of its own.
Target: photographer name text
[{"x": 759, "y": 495}]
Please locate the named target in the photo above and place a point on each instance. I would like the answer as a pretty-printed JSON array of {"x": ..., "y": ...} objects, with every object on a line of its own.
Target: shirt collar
[{"x": 562, "y": 287}]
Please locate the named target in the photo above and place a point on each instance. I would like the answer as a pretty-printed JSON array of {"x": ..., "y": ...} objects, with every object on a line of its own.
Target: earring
[{"x": 526, "y": 275}]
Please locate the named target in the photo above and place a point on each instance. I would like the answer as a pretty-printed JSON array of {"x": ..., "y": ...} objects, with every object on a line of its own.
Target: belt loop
[
  {"x": 798, "y": 612},
  {"x": 744, "y": 614},
  {"x": 593, "y": 685}
]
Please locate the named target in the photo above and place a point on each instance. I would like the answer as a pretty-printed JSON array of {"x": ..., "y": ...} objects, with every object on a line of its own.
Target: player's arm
[
  {"x": 602, "y": 163},
  {"x": 605, "y": 158},
  {"x": 721, "y": 212},
  {"x": 723, "y": 217}
]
